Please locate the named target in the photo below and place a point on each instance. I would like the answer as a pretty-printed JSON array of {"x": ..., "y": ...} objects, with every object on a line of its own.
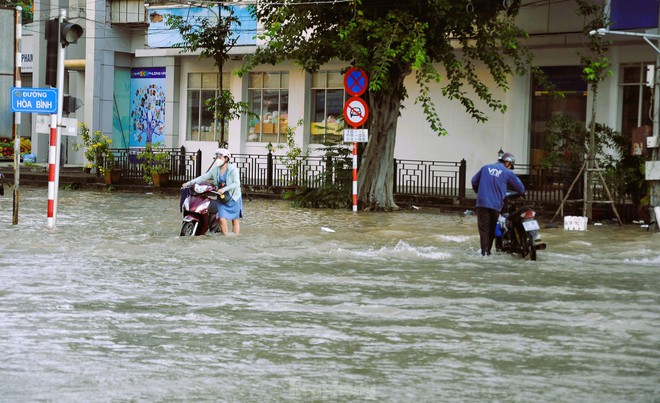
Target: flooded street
[{"x": 112, "y": 305}]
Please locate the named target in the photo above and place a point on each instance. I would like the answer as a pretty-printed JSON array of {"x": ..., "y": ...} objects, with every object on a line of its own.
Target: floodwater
[{"x": 112, "y": 305}]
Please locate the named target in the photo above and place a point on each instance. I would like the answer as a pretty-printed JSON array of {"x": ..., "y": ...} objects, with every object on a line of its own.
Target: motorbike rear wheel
[
  {"x": 188, "y": 228},
  {"x": 528, "y": 247}
]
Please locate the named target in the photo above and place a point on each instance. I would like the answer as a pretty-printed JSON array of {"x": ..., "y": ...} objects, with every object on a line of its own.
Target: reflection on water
[{"x": 112, "y": 304}]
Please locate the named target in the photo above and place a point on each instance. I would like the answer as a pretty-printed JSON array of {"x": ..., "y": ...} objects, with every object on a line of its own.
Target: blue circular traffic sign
[{"x": 355, "y": 81}]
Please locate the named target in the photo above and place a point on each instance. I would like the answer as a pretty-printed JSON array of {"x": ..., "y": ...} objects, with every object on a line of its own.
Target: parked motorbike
[
  {"x": 199, "y": 209},
  {"x": 517, "y": 230}
]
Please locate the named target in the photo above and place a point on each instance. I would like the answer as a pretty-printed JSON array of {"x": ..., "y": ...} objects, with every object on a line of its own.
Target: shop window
[
  {"x": 268, "y": 97},
  {"x": 636, "y": 102},
  {"x": 573, "y": 103},
  {"x": 328, "y": 98},
  {"x": 202, "y": 123}
]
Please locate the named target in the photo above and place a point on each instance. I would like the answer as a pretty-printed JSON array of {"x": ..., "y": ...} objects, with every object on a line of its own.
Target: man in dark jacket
[{"x": 490, "y": 183}]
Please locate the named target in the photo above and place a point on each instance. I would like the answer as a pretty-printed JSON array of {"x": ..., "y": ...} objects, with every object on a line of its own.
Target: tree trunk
[
  {"x": 591, "y": 157},
  {"x": 375, "y": 177}
]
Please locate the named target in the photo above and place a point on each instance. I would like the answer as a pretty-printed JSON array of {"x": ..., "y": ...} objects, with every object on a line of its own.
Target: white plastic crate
[{"x": 575, "y": 223}]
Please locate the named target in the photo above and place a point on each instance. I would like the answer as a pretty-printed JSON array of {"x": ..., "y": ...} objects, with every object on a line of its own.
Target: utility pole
[
  {"x": 59, "y": 34},
  {"x": 17, "y": 115}
]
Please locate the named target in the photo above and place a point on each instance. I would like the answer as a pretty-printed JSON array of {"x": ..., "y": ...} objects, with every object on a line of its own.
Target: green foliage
[
  {"x": 567, "y": 143},
  {"x": 391, "y": 40},
  {"x": 214, "y": 38},
  {"x": 154, "y": 160},
  {"x": 96, "y": 150},
  {"x": 294, "y": 155},
  {"x": 627, "y": 175},
  {"x": 394, "y": 39},
  {"x": 27, "y": 13},
  {"x": 333, "y": 190}
]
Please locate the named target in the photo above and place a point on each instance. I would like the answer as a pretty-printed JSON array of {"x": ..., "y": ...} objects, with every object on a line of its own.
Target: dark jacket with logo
[{"x": 490, "y": 183}]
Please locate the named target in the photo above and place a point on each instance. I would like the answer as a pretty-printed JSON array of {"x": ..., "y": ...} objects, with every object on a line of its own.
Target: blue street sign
[{"x": 34, "y": 100}]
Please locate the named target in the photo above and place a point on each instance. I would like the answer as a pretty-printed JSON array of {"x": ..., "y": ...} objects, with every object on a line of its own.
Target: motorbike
[
  {"x": 199, "y": 209},
  {"x": 517, "y": 230}
]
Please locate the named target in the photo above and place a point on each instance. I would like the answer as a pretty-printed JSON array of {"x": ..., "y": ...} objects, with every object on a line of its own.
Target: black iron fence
[
  {"x": 436, "y": 179},
  {"x": 548, "y": 187},
  {"x": 258, "y": 170},
  {"x": 183, "y": 165},
  {"x": 430, "y": 178}
]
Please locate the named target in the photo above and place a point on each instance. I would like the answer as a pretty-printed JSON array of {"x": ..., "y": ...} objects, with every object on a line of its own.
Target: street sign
[
  {"x": 356, "y": 111},
  {"x": 34, "y": 100},
  {"x": 355, "y": 81},
  {"x": 356, "y": 135}
]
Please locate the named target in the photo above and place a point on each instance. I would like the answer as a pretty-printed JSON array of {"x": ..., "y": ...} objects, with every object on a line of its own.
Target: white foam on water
[
  {"x": 650, "y": 260},
  {"x": 403, "y": 249},
  {"x": 455, "y": 238}
]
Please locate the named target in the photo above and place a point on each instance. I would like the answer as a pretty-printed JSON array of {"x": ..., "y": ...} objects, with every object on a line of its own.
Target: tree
[
  {"x": 390, "y": 40},
  {"x": 596, "y": 69},
  {"x": 214, "y": 37}
]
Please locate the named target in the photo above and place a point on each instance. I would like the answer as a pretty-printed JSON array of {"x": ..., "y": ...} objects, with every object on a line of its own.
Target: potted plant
[
  {"x": 111, "y": 174},
  {"x": 155, "y": 162},
  {"x": 97, "y": 152}
]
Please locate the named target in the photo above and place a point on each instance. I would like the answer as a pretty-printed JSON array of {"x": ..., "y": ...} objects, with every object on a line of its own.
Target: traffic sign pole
[
  {"x": 55, "y": 134},
  {"x": 52, "y": 169},
  {"x": 355, "y": 114},
  {"x": 17, "y": 115},
  {"x": 355, "y": 177}
]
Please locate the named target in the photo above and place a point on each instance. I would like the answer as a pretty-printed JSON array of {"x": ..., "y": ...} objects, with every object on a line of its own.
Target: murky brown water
[{"x": 113, "y": 305}]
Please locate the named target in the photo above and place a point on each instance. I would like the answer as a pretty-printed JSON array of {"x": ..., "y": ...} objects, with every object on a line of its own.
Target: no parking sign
[{"x": 356, "y": 111}]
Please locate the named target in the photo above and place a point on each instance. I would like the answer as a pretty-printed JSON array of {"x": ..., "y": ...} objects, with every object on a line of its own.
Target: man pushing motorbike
[{"x": 490, "y": 183}]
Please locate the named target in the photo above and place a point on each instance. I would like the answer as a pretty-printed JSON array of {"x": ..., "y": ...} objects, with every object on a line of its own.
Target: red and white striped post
[
  {"x": 18, "y": 64},
  {"x": 52, "y": 172},
  {"x": 355, "y": 177},
  {"x": 356, "y": 112},
  {"x": 54, "y": 149}
]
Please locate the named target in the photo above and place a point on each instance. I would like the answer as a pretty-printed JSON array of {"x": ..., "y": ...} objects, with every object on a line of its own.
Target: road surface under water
[{"x": 112, "y": 305}]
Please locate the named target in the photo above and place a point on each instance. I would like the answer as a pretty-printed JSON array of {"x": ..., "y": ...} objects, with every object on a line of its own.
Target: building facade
[{"x": 136, "y": 87}]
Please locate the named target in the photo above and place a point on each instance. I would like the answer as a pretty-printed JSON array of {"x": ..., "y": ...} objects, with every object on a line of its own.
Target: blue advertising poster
[
  {"x": 637, "y": 14},
  {"x": 160, "y": 35},
  {"x": 147, "y": 120}
]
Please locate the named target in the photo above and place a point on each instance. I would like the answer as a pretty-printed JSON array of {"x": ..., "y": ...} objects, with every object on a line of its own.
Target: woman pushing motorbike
[{"x": 226, "y": 178}]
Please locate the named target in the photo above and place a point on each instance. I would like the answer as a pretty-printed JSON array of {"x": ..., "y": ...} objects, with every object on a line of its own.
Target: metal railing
[
  {"x": 430, "y": 178},
  {"x": 270, "y": 170},
  {"x": 183, "y": 165},
  {"x": 436, "y": 179}
]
